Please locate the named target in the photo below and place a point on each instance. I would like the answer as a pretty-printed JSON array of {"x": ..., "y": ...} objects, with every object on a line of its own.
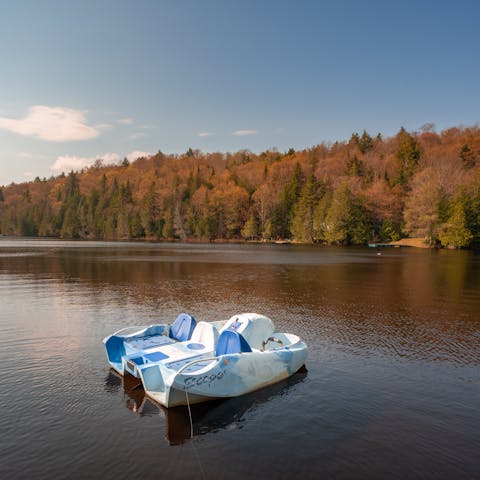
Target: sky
[{"x": 109, "y": 79}]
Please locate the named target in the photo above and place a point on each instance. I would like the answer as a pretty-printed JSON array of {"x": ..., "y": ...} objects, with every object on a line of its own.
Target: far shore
[
  {"x": 417, "y": 242},
  {"x": 411, "y": 242}
]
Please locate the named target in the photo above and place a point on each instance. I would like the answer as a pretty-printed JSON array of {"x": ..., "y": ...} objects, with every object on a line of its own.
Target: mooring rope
[
  {"x": 189, "y": 412},
  {"x": 191, "y": 434}
]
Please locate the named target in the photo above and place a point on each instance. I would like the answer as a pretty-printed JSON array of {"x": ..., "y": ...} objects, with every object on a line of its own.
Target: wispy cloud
[
  {"x": 65, "y": 163},
  {"x": 125, "y": 121},
  {"x": 137, "y": 154},
  {"x": 54, "y": 124},
  {"x": 243, "y": 133},
  {"x": 205, "y": 134}
]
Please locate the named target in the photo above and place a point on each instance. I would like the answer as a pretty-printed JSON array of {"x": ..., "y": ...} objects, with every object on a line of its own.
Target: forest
[{"x": 367, "y": 189}]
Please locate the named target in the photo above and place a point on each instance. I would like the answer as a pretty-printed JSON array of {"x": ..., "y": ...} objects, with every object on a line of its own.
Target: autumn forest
[{"x": 367, "y": 189}]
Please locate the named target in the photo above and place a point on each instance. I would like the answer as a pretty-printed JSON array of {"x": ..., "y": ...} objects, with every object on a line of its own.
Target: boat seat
[
  {"x": 254, "y": 328},
  {"x": 182, "y": 328},
  {"x": 206, "y": 334},
  {"x": 231, "y": 341}
]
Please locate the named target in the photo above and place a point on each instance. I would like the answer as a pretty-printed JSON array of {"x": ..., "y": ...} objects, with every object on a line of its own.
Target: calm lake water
[{"x": 392, "y": 389}]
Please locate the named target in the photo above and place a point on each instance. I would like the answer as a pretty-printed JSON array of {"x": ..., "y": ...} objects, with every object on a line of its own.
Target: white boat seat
[
  {"x": 254, "y": 328},
  {"x": 206, "y": 334}
]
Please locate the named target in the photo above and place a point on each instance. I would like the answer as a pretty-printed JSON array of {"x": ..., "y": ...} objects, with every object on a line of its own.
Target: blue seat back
[
  {"x": 230, "y": 341},
  {"x": 182, "y": 328},
  {"x": 115, "y": 349}
]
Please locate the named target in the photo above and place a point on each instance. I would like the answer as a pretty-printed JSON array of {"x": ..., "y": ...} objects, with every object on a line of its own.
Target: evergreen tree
[
  {"x": 71, "y": 188},
  {"x": 103, "y": 184},
  {"x": 422, "y": 208},
  {"x": 136, "y": 228},
  {"x": 320, "y": 216},
  {"x": 389, "y": 232},
  {"x": 168, "y": 228},
  {"x": 354, "y": 139},
  {"x": 467, "y": 156},
  {"x": 83, "y": 219},
  {"x": 123, "y": 225},
  {"x": 2, "y": 198},
  {"x": 359, "y": 226},
  {"x": 26, "y": 224},
  {"x": 347, "y": 221},
  {"x": 250, "y": 229},
  {"x": 338, "y": 215},
  {"x": 97, "y": 204},
  {"x": 150, "y": 212},
  {"x": 355, "y": 167},
  {"x": 193, "y": 183},
  {"x": 69, "y": 213},
  {"x": 365, "y": 142},
  {"x": 407, "y": 155},
  {"x": 472, "y": 211},
  {"x": 111, "y": 223},
  {"x": 70, "y": 225},
  {"x": 126, "y": 193},
  {"x": 46, "y": 223},
  {"x": 115, "y": 197},
  {"x": 455, "y": 232},
  {"x": 204, "y": 221},
  {"x": 302, "y": 226},
  {"x": 26, "y": 196},
  {"x": 283, "y": 211}
]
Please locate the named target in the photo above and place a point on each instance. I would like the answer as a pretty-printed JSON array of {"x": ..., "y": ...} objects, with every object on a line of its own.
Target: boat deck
[
  {"x": 172, "y": 355},
  {"x": 151, "y": 341}
]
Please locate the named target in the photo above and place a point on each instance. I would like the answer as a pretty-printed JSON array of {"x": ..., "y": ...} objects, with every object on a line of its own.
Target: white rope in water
[
  {"x": 191, "y": 434},
  {"x": 189, "y": 413},
  {"x": 189, "y": 409}
]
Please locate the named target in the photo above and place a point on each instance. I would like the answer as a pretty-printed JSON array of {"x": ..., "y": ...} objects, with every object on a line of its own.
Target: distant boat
[{"x": 189, "y": 362}]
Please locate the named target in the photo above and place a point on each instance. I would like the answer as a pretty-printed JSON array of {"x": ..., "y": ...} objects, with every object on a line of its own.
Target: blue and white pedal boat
[{"x": 190, "y": 362}]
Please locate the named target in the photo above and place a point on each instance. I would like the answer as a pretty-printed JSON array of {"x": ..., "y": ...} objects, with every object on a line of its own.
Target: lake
[{"x": 392, "y": 387}]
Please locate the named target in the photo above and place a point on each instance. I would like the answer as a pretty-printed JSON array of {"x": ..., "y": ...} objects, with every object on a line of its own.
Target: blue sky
[{"x": 111, "y": 78}]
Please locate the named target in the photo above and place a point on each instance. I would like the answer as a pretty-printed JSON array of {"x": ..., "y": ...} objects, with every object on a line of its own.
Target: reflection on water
[
  {"x": 410, "y": 303},
  {"x": 393, "y": 383},
  {"x": 184, "y": 423}
]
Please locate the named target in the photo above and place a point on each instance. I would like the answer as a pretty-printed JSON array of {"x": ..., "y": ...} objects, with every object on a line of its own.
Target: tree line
[{"x": 367, "y": 189}]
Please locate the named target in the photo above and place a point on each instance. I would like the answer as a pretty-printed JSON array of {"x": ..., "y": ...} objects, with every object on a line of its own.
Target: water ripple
[{"x": 394, "y": 347}]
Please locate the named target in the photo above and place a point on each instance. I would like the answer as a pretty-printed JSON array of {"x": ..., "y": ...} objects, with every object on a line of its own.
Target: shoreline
[
  {"x": 404, "y": 242},
  {"x": 411, "y": 242}
]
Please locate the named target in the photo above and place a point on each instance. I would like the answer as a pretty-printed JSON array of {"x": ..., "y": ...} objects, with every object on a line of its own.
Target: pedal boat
[{"x": 196, "y": 362}]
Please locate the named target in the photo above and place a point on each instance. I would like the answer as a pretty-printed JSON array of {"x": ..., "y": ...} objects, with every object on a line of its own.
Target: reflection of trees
[
  {"x": 406, "y": 299},
  {"x": 209, "y": 417}
]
